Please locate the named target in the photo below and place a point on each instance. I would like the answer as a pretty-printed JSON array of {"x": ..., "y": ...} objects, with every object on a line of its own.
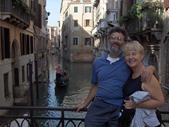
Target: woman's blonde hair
[{"x": 133, "y": 45}]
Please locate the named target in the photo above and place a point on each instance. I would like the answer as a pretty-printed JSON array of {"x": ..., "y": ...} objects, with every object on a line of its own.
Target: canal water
[{"x": 68, "y": 96}]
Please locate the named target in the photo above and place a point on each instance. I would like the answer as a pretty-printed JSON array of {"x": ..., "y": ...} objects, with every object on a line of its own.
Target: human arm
[
  {"x": 156, "y": 96},
  {"x": 88, "y": 99},
  {"x": 147, "y": 73}
]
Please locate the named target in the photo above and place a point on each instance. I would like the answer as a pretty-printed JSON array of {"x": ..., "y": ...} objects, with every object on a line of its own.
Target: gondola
[{"x": 61, "y": 79}]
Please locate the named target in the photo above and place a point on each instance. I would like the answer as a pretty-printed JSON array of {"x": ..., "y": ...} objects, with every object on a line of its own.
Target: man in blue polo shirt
[{"x": 109, "y": 74}]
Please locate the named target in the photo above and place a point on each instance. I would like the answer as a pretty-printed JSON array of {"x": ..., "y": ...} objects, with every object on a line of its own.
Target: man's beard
[{"x": 114, "y": 51}]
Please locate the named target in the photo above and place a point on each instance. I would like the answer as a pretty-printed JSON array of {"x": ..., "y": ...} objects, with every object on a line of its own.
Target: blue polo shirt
[{"x": 110, "y": 79}]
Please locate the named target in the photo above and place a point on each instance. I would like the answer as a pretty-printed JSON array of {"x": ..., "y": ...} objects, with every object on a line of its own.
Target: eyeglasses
[{"x": 115, "y": 38}]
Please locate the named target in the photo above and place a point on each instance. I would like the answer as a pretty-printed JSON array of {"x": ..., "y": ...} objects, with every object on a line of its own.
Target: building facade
[
  {"x": 54, "y": 43},
  {"x": 17, "y": 48},
  {"x": 41, "y": 41},
  {"x": 76, "y": 23}
]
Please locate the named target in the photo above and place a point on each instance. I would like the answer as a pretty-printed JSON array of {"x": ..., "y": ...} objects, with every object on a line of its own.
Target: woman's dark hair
[{"x": 119, "y": 30}]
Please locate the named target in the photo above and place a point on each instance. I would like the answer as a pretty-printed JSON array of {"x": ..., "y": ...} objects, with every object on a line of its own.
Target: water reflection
[
  {"x": 79, "y": 76},
  {"x": 60, "y": 92}
]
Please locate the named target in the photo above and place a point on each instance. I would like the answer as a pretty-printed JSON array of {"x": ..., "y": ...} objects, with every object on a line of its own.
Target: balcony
[{"x": 12, "y": 12}]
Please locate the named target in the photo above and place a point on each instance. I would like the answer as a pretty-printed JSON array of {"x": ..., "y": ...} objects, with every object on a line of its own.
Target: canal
[{"x": 67, "y": 96}]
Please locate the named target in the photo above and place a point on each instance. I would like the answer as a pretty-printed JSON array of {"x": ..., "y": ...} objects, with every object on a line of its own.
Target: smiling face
[
  {"x": 115, "y": 42},
  {"x": 134, "y": 54},
  {"x": 133, "y": 58}
]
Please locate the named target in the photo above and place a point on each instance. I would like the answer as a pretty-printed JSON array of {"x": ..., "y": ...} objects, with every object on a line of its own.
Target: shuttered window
[{"x": 4, "y": 43}]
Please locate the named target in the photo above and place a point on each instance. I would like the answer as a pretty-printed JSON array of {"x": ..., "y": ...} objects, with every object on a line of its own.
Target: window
[
  {"x": 88, "y": 42},
  {"x": 116, "y": 5},
  {"x": 75, "y": 9},
  {"x": 75, "y": 23},
  {"x": 5, "y": 43},
  {"x": 23, "y": 73},
  {"x": 28, "y": 73},
  {"x": 31, "y": 44},
  {"x": 87, "y": 9},
  {"x": 22, "y": 43},
  {"x": 31, "y": 5},
  {"x": 27, "y": 44},
  {"x": 75, "y": 41},
  {"x": 87, "y": 22},
  {"x": 6, "y": 85}
]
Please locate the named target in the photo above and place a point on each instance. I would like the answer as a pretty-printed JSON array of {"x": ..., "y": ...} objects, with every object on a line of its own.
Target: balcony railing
[
  {"x": 16, "y": 15},
  {"x": 63, "y": 117}
]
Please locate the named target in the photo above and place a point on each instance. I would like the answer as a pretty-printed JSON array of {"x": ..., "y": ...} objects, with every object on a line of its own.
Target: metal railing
[{"x": 64, "y": 117}]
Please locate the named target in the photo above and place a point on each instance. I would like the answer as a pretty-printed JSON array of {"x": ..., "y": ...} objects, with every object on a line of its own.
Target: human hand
[
  {"x": 129, "y": 104},
  {"x": 147, "y": 73},
  {"x": 80, "y": 106}
]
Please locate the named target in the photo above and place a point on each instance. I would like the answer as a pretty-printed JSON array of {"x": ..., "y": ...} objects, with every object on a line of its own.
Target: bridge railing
[
  {"x": 62, "y": 117},
  {"x": 33, "y": 116}
]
